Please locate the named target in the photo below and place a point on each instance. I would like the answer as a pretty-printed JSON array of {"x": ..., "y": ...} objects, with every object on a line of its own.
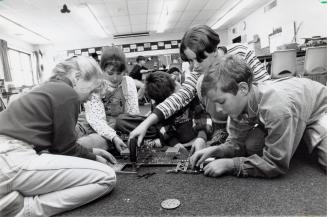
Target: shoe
[{"x": 11, "y": 204}]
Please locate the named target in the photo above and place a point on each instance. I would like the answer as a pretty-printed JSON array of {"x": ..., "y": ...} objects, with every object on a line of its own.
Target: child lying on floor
[{"x": 190, "y": 127}]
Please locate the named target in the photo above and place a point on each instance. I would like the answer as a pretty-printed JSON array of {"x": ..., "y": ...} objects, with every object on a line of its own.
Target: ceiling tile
[
  {"x": 188, "y": 16},
  {"x": 100, "y": 11},
  {"x": 174, "y": 16},
  {"x": 155, "y": 6},
  {"x": 196, "y": 5},
  {"x": 138, "y": 19},
  {"x": 214, "y": 4},
  {"x": 205, "y": 14},
  {"x": 182, "y": 24},
  {"x": 178, "y": 5},
  {"x": 152, "y": 27},
  {"x": 139, "y": 28},
  {"x": 123, "y": 29},
  {"x": 137, "y": 6},
  {"x": 120, "y": 21},
  {"x": 197, "y": 22},
  {"x": 153, "y": 18},
  {"x": 117, "y": 7}
]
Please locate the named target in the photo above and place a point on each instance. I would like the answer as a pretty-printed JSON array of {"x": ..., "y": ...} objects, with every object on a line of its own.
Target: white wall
[
  {"x": 311, "y": 13},
  {"x": 56, "y": 52}
]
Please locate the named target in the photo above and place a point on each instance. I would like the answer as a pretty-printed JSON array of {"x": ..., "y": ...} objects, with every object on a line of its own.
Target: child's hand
[
  {"x": 139, "y": 133},
  {"x": 199, "y": 156},
  {"x": 103, "y": 156},
  {"x": 119, "y": 144},
  {"x": 218, "y": 167},
  {"x": 198, "y": 144}
]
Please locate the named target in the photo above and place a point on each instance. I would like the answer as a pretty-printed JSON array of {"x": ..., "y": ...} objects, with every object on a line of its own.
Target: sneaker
[{"x": 11, "y": 204}]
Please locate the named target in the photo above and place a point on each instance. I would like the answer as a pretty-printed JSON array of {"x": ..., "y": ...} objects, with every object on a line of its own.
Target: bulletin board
[{"x": 129, "y": 48}]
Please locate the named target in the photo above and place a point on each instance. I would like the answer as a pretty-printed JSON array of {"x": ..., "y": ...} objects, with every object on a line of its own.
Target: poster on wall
[
  {"x": 126, "y": 50},
  {"x": 85, "y": 53},
  {"x": 161, "y": 44},
  {"x": 70, "y": 55},
  {"x": 167, "y": 46}
]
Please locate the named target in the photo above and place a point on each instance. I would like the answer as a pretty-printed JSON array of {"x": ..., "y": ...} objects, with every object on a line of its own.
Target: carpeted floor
[{"x": 303, "y": 191}]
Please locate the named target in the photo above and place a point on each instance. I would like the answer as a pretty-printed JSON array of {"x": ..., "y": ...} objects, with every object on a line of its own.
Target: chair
[
  {"x": 315, "y": 64},
  {"x": 283, "y": 63}
]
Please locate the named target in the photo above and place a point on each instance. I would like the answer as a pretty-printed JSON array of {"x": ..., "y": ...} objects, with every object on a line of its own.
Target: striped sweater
[{"x": 188, "y": 91}]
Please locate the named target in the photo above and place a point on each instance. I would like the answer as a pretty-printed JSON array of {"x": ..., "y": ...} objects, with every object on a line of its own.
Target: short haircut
[
  {"x": 159, "y": 85},
  {"x": 228, "y": 71},
  {"x": 223, "y": 48},
  {"x": 113, "y": 57},
  {"x": 199, "y": 39},
  {"x": 75, "y": 67},
  {"x": 140, "y": 58},
  {"x": 173, "y": 69}
]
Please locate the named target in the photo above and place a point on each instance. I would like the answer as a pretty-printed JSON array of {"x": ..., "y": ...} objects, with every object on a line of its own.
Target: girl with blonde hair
[{"x": 44, "y": 171}]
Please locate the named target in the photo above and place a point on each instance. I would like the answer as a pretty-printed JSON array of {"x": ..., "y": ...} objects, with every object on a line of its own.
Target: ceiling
[{"x": 41, "y": 22}]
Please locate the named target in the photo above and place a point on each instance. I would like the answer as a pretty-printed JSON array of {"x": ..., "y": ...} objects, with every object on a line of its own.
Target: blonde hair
[{"x": 74, "y": 68}]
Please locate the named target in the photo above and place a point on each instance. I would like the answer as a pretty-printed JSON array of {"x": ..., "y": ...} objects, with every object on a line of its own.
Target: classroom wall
[
  {"x": 57, "y": 51},
  {"x": 73, "y": 44},
  {"x": 311, "y": 13}
]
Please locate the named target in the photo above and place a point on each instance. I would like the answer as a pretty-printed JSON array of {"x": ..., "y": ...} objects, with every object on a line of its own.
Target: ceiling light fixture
[
  {"x": 86, "y": 14},
  {"x": 232, "y": 12}
]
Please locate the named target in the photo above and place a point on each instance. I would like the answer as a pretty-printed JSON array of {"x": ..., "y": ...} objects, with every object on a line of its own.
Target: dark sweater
[
  {"x": 136, "y": 72},
  {"x": 188, "y": 123},
  {"x": 46, "y": 117}
]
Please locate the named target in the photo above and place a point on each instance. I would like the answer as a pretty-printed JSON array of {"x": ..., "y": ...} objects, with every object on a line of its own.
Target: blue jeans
[{"x": 50, "y": 184}]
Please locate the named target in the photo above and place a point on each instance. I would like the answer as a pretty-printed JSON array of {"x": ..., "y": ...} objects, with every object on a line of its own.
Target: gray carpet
[{"x": 303, "y": 191}]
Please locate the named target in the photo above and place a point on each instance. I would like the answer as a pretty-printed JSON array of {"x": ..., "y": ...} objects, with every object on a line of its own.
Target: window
[{"x": 20, "y": 68}]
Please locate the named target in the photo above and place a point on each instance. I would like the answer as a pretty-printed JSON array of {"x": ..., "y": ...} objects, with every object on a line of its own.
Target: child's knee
[
  {"x": 93, "y": 141},
  {"x": 109, "y": 178}
]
